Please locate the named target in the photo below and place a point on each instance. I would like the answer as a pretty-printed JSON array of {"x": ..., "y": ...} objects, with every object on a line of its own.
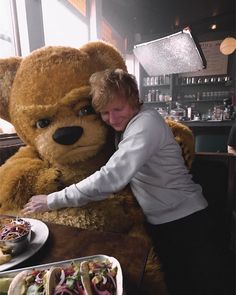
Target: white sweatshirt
[{"x": 149, "y": 158}]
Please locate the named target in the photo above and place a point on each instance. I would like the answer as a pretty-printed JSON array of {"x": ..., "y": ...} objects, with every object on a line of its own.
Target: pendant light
[{"x": 228, "y": 45}]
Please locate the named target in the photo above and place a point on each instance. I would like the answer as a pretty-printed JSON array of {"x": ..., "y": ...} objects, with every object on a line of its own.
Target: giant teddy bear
[{"x": 46, "y": 97}]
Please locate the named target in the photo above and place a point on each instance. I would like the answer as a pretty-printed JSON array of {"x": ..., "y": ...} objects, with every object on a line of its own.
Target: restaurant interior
[{"x": 191, "y": 83}]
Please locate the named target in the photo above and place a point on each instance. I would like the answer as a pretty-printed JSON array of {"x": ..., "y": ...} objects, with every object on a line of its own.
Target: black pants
[{"x": 191, "y": 255}]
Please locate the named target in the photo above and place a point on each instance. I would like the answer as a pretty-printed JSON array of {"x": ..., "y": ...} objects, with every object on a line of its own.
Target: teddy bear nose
[{"x": 67, "y": 135}]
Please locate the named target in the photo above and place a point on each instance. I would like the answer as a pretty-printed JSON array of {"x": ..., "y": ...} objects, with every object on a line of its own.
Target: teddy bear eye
[
  {"x": 42, "y": 123},
  {"x": 86, "y": 110}
]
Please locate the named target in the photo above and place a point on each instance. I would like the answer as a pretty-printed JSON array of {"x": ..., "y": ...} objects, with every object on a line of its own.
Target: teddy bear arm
[
  {"x": 26, "y": 152},
  {"x": 24, "y": 175},
  {"x": 17, "y": 177}
]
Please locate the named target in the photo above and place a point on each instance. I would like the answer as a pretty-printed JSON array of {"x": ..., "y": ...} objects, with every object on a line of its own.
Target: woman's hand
[{"x": 36, "y": 204}]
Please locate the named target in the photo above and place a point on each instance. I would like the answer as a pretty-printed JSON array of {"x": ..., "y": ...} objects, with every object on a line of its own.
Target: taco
[
  {"x": 33, "y": 282},
  {"x": 69, "y": 280},
  {"x": 93, "y": 277},
  {"x": 102, "y": 277}
]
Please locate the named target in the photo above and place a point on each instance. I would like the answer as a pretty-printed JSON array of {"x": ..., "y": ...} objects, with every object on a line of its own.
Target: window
[
  {"x": 63, "y": 24},
  {"x": 7, "y": 46},
  {"x": 28, "y": 25},
  {"x": 7, "y": 41}
]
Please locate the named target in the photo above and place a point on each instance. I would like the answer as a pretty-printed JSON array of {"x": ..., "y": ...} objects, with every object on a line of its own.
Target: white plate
[{"x": 39, "y": 236}]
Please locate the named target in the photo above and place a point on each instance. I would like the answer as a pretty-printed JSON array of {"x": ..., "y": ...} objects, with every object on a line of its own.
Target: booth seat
[{"x": 9, "y": 145}]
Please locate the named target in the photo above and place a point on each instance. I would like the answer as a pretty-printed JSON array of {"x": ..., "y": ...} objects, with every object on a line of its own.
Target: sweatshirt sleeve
[{"x": 137, "y": 146}]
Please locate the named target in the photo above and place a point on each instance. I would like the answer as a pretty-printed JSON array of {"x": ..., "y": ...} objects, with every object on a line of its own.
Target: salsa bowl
[{"x": 15, "y": 234}]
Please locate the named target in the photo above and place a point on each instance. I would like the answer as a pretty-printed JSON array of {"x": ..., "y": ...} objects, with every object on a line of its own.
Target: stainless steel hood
[{"x": 176, "y": 53}]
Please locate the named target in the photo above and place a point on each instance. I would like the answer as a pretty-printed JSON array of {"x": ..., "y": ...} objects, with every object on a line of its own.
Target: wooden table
[{"x": 66, "y": 242}]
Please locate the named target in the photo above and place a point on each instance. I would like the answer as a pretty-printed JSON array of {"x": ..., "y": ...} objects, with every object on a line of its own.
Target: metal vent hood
[{"x": 173, "y": 54}]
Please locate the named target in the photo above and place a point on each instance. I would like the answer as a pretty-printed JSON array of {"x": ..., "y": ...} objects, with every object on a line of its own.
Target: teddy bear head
[{"x": 46, "y": 96}]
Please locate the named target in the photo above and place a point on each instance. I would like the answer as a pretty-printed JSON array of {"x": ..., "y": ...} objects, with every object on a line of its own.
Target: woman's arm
[{"x": 141, "y": 140}]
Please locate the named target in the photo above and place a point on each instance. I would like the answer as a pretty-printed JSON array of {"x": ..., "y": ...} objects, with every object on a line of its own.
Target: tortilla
[
  {"x": 4, "y": 284},
  {"x": 53, "y": 275},
  {"x": 84, "y": 268},
  {"x": 17, "y": 286},
  {"x": 4, "y": 258},
  {"x": 102, "y": 277}
]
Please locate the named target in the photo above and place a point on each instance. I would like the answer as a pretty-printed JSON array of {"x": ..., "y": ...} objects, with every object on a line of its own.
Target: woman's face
[{"x": 118, "y": 113}]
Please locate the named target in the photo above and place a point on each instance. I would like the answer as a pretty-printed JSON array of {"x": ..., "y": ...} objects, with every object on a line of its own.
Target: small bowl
[{"x": 15, "y": 246}]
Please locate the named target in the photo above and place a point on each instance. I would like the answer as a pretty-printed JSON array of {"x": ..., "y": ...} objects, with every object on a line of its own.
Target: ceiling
[{"x": 149, "y": 18}]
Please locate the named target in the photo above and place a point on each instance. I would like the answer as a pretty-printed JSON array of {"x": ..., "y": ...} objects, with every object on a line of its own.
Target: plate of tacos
[
  {"x": 91, "y": 275},
  {"x": 39, "y": 235}
]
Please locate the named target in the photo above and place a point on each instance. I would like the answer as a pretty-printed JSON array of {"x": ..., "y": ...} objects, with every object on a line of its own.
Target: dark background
[{"x": 152, "y": 19}]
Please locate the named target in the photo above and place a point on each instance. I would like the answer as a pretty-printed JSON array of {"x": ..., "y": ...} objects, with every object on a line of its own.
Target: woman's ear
[
  {"x": 8, "y": 69},
  {"x": 103, "y": 56}
]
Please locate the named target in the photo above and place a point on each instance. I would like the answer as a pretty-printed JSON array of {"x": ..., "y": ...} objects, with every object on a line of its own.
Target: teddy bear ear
[
  {"x": 103, "y": 55},
  {"x": 8, "y": 68}
]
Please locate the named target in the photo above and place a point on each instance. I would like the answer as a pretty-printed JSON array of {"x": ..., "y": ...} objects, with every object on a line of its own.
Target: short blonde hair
[{"x": 106, "y": 85}]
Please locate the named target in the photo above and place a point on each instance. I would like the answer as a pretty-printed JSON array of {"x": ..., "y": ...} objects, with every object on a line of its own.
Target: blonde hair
[{"x": 106, "y": 85}]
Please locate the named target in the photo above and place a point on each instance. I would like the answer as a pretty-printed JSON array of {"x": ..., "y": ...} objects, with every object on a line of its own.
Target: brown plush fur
[
  {"x": 185, "y": 138},
  {"x": 49, "y": 91}
]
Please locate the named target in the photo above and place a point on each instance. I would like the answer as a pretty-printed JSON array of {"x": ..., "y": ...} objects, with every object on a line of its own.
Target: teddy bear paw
[{"x": 49, "y": 180}]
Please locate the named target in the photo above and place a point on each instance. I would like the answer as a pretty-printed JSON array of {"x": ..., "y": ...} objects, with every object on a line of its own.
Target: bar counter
[
  {"x": 210, "y": 136},
  {"x": 209, "y": 123}
]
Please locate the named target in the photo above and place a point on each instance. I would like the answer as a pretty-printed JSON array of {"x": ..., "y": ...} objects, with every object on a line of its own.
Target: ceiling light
[{"x": 213, "y": 26}]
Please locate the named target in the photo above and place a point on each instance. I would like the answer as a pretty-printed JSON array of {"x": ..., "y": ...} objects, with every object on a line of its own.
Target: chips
[
  {"x": 4, "y": 284},
  {"x": 4, "y": 258}
]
